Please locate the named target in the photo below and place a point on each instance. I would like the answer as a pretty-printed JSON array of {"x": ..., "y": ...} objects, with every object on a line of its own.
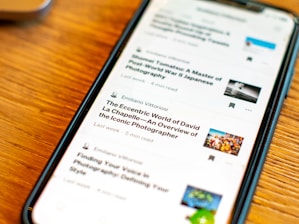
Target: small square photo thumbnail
[
  {"x": 223, "y": 141},
  {"x": 201, "y": 199},
  {"x": 242, "y": 91}
]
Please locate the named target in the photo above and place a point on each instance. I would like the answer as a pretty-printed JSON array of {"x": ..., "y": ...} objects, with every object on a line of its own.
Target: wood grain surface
[{"x": 47, "y": 67}]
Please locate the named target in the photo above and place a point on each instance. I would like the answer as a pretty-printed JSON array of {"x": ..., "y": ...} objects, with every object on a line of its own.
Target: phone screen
[{"x": 169, "y": 135}]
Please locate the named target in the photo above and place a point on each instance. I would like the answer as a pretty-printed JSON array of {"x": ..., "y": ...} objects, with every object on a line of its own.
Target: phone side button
[{"x": 290, "y": 83}]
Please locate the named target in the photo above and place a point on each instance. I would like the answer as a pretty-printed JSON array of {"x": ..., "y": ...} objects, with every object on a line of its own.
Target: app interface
[{"x": 169, "y": 136}]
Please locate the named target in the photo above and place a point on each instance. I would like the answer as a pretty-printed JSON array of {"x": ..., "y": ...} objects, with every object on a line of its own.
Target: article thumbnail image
[
  {"x": 242, "y": 91},
  {"x": 224, "y": 142},
  {"x": 201, "y": 199}
]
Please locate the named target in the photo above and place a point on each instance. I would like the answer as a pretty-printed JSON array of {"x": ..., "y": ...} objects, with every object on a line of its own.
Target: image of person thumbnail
[
  {"x": 223, "y": 141},
  {"x": 201, "y": 199},
  {"x": 242, "y": 91}
]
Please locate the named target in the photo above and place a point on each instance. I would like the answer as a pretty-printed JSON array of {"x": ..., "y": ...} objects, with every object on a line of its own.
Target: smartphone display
[{"x": 171, "y": 134}]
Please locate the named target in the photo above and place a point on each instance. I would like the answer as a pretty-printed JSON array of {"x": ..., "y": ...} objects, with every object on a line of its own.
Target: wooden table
[{"x": 48, "y": 66}]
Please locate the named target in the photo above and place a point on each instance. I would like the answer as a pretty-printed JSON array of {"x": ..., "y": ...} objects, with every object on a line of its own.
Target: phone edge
[{"x": 82, "y": 109}]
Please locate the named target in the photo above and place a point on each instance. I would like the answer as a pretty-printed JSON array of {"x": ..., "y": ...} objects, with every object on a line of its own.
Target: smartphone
[
  {"x": 19, "y": 10},
  {"x": 176, "y": 127}
]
